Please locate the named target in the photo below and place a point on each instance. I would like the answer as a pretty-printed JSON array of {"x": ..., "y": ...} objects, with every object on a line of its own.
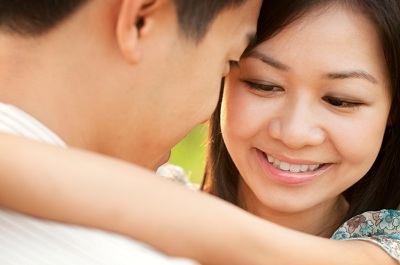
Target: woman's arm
[{"x": 88, "y": 189}]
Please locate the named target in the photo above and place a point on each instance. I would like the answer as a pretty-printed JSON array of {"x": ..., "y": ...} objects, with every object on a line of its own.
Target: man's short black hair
[
  {"x": 34, "y": 17},
  {"x": 195, "y": 16}
]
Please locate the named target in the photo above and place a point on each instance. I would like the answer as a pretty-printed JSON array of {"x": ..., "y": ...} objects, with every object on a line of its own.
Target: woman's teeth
[{"x": 291, "y": 167}]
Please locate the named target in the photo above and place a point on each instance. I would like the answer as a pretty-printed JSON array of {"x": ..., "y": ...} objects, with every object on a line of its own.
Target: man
[{"x": 124, "y": 78}]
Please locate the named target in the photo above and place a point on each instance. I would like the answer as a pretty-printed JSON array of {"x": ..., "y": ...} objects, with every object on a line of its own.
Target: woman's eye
[
  {"x": 341, "y": 103},
  {"x": 262, "y": 87}
]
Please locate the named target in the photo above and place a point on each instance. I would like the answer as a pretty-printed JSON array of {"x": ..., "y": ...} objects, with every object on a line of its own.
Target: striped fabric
[{"x": 29, "y": 241}]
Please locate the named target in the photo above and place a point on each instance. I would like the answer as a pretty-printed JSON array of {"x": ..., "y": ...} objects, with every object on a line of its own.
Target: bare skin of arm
[{"x": 79, "y": 187}]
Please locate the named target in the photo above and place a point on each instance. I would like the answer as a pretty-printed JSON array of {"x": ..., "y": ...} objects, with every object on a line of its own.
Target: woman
[
  {"x": 306, "y": 133},
  {"x": 278, "y": 108}
]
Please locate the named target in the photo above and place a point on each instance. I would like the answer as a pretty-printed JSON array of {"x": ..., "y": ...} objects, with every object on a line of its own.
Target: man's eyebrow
[
  {"x": 266, "y": 59},
  {"x": 251, "y": 39},
  {"x": 352, "y": 74}
]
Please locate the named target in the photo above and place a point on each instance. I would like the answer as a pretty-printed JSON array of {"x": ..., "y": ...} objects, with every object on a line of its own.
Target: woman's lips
[{"x": 290, "y": 173}]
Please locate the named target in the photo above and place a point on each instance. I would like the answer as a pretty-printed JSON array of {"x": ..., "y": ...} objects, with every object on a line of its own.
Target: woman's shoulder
[
  {"x": 380, "y": 227},
  {"x": 372, "y": 223}
]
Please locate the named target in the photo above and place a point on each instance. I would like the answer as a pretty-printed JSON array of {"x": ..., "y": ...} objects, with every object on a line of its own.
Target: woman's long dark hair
[{"x": 380, "y": 187}]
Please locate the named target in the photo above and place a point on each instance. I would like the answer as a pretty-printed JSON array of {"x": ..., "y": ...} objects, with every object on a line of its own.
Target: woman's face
[{"x": 304, "y": 114}]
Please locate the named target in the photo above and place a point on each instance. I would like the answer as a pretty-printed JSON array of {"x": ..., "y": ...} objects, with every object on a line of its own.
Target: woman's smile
[
  {"x": 292, "y": 167},
  {"x": 289, "y": 172}
]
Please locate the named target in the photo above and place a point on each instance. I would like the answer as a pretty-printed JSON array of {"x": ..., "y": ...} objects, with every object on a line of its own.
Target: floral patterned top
[{"x": 379, "y": 227}]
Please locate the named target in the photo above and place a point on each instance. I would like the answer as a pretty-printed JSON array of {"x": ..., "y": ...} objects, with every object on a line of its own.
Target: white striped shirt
[{"x": 25, "y": 240}]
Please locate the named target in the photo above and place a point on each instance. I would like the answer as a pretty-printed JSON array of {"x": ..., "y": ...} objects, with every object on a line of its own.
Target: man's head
[{"x": 130, "y": 77}]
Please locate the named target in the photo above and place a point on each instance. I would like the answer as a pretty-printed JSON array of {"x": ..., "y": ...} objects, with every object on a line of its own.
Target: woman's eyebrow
[
  {"x": 361, "y": 74},
  {"x": 351, "y": 74},
  {"x": 266, "y": 59}
]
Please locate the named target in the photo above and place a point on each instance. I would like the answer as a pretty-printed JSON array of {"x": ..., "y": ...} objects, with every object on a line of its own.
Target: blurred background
[{"x": 190, "y": 153}]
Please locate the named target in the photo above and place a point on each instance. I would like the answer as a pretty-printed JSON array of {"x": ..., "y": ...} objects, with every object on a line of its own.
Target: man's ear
[{"x": 132, "y": 24}]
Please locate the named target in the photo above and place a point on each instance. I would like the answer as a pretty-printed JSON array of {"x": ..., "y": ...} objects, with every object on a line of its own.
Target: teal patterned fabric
[{"x": 379, "y": 227}]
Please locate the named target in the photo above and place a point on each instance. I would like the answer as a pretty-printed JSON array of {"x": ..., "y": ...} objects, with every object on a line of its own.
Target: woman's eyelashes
[
  {"x": 342, "y": 103},
  {"x": 262, "y": 87},
  {"x": 337, "y": 102}
]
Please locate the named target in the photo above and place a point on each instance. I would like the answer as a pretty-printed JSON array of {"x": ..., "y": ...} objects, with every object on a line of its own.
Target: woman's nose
[{"x": 297, "y": 126}]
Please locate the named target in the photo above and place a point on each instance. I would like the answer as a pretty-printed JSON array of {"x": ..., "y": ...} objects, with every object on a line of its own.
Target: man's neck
[
  {"x": 52, "y": 81},
  {"x": 37, "y": 76}
]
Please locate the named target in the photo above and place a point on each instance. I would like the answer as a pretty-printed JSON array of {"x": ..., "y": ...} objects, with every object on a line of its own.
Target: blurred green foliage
[{"x": 190, "y": 153}]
